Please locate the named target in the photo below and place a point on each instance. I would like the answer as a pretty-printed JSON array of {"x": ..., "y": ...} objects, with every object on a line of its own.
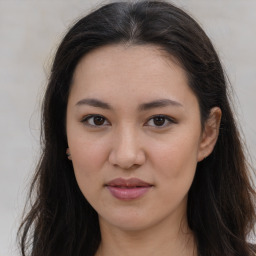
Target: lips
[{"x": 128, "y": 189}]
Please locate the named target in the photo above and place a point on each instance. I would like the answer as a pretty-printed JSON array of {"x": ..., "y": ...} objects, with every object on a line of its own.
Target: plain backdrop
[{"x": 29, "y": 34}]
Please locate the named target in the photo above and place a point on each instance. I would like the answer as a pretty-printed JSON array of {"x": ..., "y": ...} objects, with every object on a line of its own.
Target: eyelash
[
  {"x": 167, "y": 121},
  {"x": 87, "y": 118}
]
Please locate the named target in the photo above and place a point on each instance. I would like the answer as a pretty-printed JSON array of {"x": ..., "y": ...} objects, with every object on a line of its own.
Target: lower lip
[{"x": 128, "y": 193}]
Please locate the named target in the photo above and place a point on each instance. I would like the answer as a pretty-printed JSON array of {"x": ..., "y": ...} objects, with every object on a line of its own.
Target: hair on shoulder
[{"x": 221, "y": 210}]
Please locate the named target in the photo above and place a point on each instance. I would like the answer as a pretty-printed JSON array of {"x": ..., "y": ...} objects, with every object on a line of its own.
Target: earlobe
[
  {"x": 68, "y": 154},
  {"x": 210, "y": 134}
]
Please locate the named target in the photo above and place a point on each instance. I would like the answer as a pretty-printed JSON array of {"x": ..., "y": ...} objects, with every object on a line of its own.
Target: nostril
[
  {"x": 128, "y": 156},
  {"x": 127, "y": 167}
]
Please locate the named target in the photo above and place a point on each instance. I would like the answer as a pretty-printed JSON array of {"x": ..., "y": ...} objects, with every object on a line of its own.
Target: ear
[
  {"x": 210, "y": 134},
  {"x": 68, "y": 154}
]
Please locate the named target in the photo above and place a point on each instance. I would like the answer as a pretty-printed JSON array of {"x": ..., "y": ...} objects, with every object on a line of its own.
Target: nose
[{"x": 126, "y": 151}]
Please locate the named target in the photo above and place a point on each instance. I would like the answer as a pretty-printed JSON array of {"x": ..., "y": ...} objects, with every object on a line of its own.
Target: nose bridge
[
  {"x": 126, "y": 149},
  {"x": 126, "y": 139}
]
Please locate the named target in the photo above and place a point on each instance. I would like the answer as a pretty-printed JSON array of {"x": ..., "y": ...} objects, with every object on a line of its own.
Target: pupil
[
  {"x": 98, "y": 120},
  {"x": 159, "y": 121}
]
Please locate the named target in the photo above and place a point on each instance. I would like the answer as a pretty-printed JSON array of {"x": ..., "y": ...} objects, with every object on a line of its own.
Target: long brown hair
[{"x": 221, "y": 200}]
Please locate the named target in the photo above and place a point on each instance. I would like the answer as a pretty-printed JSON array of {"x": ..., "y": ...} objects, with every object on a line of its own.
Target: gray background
[{"x": 29, "y": 34}]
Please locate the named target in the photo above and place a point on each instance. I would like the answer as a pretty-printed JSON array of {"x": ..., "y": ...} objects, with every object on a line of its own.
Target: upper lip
[{"x": 132, "y": 182}]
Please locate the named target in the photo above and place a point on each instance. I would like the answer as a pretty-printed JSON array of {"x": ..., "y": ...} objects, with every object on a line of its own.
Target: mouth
[{"x": 128, "y": 189}]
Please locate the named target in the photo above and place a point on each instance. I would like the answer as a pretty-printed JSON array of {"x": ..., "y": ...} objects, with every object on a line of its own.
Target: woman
[{"x": 141, "y": 154}]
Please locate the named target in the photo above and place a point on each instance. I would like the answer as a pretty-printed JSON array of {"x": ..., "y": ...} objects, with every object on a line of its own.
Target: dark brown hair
[{"x": 221, "y": 200}]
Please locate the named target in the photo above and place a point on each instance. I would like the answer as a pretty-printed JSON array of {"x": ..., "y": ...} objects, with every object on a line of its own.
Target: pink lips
[{"x": 128, "y": 189}]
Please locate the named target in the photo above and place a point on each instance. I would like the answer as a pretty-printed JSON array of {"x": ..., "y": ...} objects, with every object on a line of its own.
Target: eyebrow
[
  {"x": 143, "y": 107},
  {"x": 159, "y": 104},
  {"x": 94, "y": 103}
]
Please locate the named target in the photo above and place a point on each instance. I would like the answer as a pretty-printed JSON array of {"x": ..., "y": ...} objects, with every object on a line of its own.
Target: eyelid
[
  {"x": 168, "y": 118},
  {"x": 87, "y": 117}
]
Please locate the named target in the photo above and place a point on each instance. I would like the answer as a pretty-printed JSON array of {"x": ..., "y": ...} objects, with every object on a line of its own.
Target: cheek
[
  {"x": 88, "y": 158},
  {"x": 176, "y": 159},
  {"x": 88, "y": 153}
]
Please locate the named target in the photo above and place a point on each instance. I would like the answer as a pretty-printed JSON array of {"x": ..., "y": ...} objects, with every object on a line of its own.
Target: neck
[{"x": 156, "y": 241}]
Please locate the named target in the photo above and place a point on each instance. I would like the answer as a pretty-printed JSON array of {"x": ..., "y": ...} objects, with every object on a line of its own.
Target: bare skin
[{"x": 131, "y": 114}]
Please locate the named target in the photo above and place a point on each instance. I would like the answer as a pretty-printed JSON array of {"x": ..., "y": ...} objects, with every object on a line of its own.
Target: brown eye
[
  {"x": 159, "y": 120},
  {"x": 95, "y": 120},
  {"x": 98, "y": 120}
]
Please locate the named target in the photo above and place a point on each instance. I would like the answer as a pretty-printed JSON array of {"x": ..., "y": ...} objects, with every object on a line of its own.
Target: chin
[{"x": 130, "y": 220}]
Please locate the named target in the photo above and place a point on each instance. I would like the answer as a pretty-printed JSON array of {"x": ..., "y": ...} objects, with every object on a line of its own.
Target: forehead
[
  {"x": 145, "y": 71},
  {"x": 143, "y": 58}
]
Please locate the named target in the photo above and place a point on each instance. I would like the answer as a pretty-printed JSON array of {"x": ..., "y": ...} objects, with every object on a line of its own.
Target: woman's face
[{"x": 134, "y": 135}]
